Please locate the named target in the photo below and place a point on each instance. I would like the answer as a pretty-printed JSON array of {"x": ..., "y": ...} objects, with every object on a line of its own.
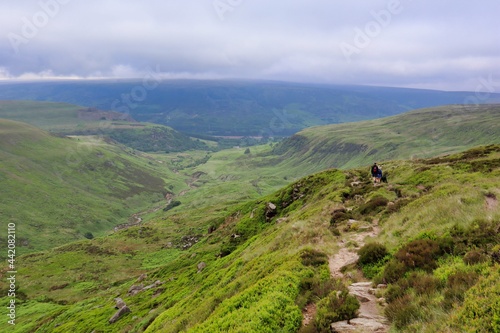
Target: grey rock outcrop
[
  {"x": 122, "y": 310},
  {"x": 270, "y": 211}
]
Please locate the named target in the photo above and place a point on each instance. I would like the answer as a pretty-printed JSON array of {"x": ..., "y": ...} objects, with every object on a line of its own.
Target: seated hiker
[
  {"x": 380, "y": 177},
  {"x": 376, "y": 173}
]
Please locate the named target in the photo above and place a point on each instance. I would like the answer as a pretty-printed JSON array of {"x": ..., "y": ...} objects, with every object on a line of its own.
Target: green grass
[
  {"x": 416, "y": 134},
  {"x": 66, "y": 119},
  {"x": 57, "y": 189},
  {"x": 254, "y": 269},
  {"x": 45, "y": 115},
  {"x": 252, "y": 282}
]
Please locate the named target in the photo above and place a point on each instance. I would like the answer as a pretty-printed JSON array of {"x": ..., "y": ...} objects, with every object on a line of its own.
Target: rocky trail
[{"x": 370, "y": 317}]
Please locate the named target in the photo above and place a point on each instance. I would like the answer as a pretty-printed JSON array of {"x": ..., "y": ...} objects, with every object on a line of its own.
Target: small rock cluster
[
  {"x": 188, "y": 241},
  {"x": 133, "y": 290}
]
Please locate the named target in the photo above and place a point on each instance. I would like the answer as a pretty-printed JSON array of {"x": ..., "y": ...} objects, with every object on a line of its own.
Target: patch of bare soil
[
  {"x": 491, "y": 202},
  {"x": 308, "y": 314}
]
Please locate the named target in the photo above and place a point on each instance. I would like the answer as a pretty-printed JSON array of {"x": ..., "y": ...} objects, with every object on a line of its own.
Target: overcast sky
[{"x": 440, "y": 44}]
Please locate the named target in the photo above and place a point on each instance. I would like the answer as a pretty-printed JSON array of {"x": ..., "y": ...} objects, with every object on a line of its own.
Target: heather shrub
[
  {"x": 403, "y": 311},
  {"x": 314, "y": 288},
  {"x": 337, "y": 306},
  {"x": 340, "y": 215},
  {"x": 172, "y": 205},
  {"x": 314, "y": 258},
  {"x": 371, "y": 253},
  {"x": 423, "y": 284},
  {"x": 393, "y": 292},
  {"x": 456, "y": 286},
  {"x": 419, "y": 254},
  {"x": 393, "y": 271},
  {"x": 446, "y": 244},
  {"x": 495, "y": 254},
  {"x": 374, "y": 205},
  {"x": 480, "y": 234},
  {"x": 481, "y": 309},
  {"x": 88, "y": 235},
  {"x": 475, "y": 257}
]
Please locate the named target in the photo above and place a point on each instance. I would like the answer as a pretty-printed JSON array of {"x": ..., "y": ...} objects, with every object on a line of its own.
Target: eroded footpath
[{"x": 370, "y": 315}]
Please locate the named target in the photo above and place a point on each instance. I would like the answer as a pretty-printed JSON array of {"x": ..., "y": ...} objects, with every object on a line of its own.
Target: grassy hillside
[
  {"x": 242, "y": 108},
  {"x": 254, "y": 266},
  {"x": 236, "y": 175},
  {"x": 59, "y": 189},
  {"x": 419, "y": 133},
  {"x": 49, "y": 116},
  {"x": 68, "y": 119},
  {"x": 201, "y": 179}
]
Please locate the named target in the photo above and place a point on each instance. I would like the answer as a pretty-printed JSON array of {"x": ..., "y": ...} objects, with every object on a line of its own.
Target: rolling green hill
[
  {"x": 234, "y": 175},
  {"x": 234, "y": 256},
  {"x": 49, "y": 116},
  {"x": 68, "y": 119},
  {"x": 198, "y": 179},
  {"x": 255, "y": 266},
  {"x": 58, "y": 189},
  {"x": 415, "y": 134}
]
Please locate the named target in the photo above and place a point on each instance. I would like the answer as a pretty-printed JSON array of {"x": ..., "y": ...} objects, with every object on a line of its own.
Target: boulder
[
  {"x": 342, "y": 326},
  {"x": 119, "y": 303},
  {"x": 135, "y": 289},
  {"x": 201, "y": 266},
  {"x": 122, "y": 309},
  {"x": 154, "y": 285},
  {"x": 119, "y": 314},
  {"x": 270, "y": 211}
]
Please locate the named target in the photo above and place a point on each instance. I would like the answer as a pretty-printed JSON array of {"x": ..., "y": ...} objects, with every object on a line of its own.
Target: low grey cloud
[{"x": 448, "y": 45}]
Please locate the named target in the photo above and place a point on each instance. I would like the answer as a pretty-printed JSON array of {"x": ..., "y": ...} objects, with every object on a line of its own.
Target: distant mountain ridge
[{"x": 237, "y": 108}]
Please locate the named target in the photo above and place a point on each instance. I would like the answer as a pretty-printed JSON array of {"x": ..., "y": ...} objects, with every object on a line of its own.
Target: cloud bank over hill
[{"x": 449, "y": 45}]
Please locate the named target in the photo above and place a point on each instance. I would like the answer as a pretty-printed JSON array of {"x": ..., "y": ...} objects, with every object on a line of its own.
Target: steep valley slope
[
  {"x": 256, "y": 266},
  {"x": 58, "y": 189},
  {"x": 264, "y": 241}
]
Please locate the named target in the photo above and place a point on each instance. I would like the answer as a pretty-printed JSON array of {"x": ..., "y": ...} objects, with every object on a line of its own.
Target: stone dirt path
[{"x": 369, "y": 317}]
